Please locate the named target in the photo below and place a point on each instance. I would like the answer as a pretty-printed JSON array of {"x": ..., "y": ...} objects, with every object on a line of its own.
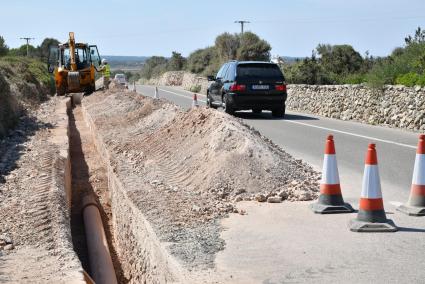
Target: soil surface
[
  {"x": 186, "y": 170},
  {"x": 35, "y": 237}
]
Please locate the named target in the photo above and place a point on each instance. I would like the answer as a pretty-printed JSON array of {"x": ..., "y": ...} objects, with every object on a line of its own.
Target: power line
[
  {"x": 242, "y": 24},
  {"x": 27, "y": 39}
]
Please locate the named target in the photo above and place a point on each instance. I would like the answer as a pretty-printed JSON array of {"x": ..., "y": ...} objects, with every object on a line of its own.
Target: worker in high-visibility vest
[{"x": 106, "y": 72}]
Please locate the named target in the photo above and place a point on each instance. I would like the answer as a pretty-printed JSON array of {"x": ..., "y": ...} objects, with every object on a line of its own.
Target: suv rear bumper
[{"x": 257, "y": 101}]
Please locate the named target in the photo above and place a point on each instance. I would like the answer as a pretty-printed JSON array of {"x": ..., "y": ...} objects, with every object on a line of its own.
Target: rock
[
  {"x": 305, "y": 196},
  {"x": 260, "y": 198},
  {"x": 274, "y": 199},
  {"x": 196, "y": 208},
  {"x": 283, "y": 194},
  {"x": 9, "y": 247},
  {"x": 6, "y": 239},
  {"x": 238, "y": 199}
]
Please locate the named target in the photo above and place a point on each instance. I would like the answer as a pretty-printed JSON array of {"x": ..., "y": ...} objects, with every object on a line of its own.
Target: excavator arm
[{"x": 72, "y": 51}]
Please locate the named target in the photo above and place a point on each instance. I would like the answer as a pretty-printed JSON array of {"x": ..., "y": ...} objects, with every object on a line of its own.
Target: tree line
[
  {"x": 207, "y": 61},
  {"x": 40, "y": 52},
  {"x": 342, "y": 64},
  {"x": 328, "y": 64}
]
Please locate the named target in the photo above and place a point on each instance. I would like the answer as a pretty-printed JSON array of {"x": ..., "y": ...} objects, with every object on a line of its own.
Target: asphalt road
[{"x": 303, "y": 136}]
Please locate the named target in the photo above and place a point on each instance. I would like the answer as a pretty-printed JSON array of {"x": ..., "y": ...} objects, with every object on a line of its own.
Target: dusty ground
[
  {"x": 191, "y": 167},
  {"x": 35, "y": 238}
]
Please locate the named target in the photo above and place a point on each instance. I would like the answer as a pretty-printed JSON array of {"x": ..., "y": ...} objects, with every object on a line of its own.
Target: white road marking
[
  {"x": 395, "y": 203},
  {"x": 321, "y": 127},
  {"x": 352, "y": 134},
  {"x": 183, "y": 90},
  {"x": 183, "y": 96}
]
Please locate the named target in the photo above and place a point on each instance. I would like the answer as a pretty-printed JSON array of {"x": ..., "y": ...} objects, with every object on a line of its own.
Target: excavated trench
[{"x": 89, "y": 177}]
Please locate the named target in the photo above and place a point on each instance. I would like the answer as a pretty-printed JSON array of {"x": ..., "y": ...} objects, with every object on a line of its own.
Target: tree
[
  {"x": 44, "y": 48},
  {"x": 154, "y": 66},
  {"x": 227, "y": 46},
  {"x": 205, "y": 61},
  {"x": 22, "y": 51},
  {"x": 253, "y": 48},
  {"x": 176, "y": 62},
  {"x": 4, "y": 49},
  {"x": 419, "y": 37},
  {"x": 339, "y": 59}
]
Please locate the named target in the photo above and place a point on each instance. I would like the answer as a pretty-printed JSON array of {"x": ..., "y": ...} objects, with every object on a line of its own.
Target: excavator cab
[{"x": 74, "y": 66}]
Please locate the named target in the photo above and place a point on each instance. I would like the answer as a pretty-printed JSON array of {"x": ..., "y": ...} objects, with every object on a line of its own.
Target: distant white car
[{"x": 120, "y": 79}]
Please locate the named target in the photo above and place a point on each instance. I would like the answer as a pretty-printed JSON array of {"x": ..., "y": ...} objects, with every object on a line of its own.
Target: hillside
[{"x": 24, "y": 84}]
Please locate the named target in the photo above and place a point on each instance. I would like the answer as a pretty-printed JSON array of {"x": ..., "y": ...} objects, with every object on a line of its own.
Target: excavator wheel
[{"x": 61, "y": 91}]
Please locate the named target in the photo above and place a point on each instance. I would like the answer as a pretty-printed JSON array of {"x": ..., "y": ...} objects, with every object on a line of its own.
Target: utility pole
[
  {"x": 27, "y": 39},
  {"x": 242, "y": 24}
]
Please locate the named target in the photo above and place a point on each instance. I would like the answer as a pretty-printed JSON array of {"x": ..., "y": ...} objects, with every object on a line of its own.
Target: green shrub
[
  {"x": 411, "y": 79},
  {"x": 195, "y": 88},
  {"x": 354, "y": 79}
]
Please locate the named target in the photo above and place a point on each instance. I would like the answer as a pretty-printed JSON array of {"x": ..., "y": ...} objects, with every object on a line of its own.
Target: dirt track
[{"x": 34, "y": 214}]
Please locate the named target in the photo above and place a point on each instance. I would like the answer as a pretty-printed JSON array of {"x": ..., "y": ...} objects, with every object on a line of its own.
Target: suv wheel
[
  {"x": 280, "y": 112},
  {"x": 228, "y": 108},
  {"x": 209, "y": 102}
]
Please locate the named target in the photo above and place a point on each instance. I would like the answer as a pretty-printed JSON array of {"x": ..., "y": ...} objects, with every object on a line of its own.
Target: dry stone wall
[{"x": 395, "y": 106}]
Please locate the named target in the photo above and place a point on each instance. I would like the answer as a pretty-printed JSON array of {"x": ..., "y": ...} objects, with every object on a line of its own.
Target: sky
[{"x": 145, "y": 28}]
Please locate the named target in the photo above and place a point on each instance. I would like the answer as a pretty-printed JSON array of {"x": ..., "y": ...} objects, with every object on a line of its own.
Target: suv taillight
[
  {"x": 237, "y": 87},
  {"x": 280, "y": 88}
]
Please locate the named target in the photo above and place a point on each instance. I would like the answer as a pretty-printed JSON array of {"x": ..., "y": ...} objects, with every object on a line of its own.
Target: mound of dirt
[{"x": 185, "y": 170}]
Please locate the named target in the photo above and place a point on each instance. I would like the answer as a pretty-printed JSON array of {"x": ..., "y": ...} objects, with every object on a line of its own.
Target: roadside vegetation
[
  {"x": 341, "y": 64},
  {"x": 24, "y": 81},
  {"x": 207, "y": 61},
  {"x": 327, "y": 65}
]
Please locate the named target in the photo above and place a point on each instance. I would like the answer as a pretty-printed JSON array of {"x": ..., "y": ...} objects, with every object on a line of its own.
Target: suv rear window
[{"x": 259, "y": 70}]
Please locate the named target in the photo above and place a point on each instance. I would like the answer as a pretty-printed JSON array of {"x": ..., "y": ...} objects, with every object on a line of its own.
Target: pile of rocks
[
  {"x": 181, "y": 78},
  {"x": 395, "y": 106}
]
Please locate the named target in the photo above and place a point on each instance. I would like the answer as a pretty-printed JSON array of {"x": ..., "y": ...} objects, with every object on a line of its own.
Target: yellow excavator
[{"x": 74, "y": 66}]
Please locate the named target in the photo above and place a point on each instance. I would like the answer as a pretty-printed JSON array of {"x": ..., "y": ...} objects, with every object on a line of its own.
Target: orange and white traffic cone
[
  {"x": 330, "y": 199},
  {"x": 371, "y": 216},
  {"x": 415, "y": 206},
  {"x": 195, "y": 101}
]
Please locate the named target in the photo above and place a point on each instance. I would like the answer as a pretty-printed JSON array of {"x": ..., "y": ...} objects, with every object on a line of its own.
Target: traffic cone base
[
  {"x": 412, "y": 210},
  {"x": 331, "y": 209},
  {"x": 330, "y": 199},
  {"x": 415, "y": 206},
  {"x": 361, "y": 226}
]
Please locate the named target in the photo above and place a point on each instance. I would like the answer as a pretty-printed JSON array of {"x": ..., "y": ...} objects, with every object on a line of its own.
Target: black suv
[{"x": 242, "y": 85}]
